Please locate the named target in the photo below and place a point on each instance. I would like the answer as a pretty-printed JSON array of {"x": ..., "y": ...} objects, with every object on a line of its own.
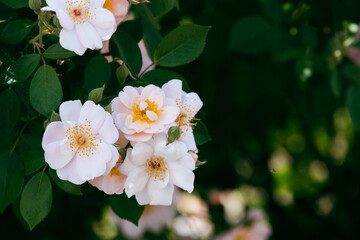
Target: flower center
[
  {"x": 114, "y": 172},
  {"x": 156, "y": 168},
  {"x": 108, "y": 5},
  {"x": 147, "y": 113},
  {"x": 184, "y": 120},
  {"x": 81, "y": 139},
  {"x": 79, "y": 11}
]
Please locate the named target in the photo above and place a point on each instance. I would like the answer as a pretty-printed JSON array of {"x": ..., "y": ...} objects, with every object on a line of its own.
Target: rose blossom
[
  {"x": 141, "y": 112},
  {"x": 119, "y": 8},
  {"x": 154, "y": 167},
  {"x": 80, "y": 146},
  {"x": 189, "y": 104},
  {"x": 85, "y": 24},
  {"x": 112, "y": 183}
]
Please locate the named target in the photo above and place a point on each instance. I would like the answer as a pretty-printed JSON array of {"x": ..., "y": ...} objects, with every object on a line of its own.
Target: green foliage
[
  {"x": 33, "y": 161},
  {"x": 249, "y": 35},
  {"x": 56, "y": 51},
  {"x": 16, "y": 31},
  {"x": 126, "y": 208},
  {"x": 22, "y": 69},
  {"x": 181, "y": 46},
  {"x": 97, "y": 73},
  {"x": 352, "y": 102},
  {"x": 174, "y": 134},
  {"x": 16, "y": 3},
  {"x": 201, "y": 133},
  {"x": 161, "y": 7},
  {"x": 159, "y": 77},
  {"x": 11, "y": 178},
  {"x": 65, "y": 185},
  {"x": 45, "y": 90},
  {"x": 9, "y": 111},
  {"x": 36, "y": 199}
]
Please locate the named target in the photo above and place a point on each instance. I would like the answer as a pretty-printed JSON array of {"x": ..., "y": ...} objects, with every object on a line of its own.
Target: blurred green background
[{"x": 274, "y": 79}]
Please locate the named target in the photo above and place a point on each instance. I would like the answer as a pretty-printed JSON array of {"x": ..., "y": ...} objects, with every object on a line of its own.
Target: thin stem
[
  {"x": 20, "y": 134},
  {"x": 143, "y": 72}
]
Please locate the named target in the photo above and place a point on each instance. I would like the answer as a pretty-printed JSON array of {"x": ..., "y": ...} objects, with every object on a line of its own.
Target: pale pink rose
[
  {"x": 112, "y": 183},
  {"x": 119, "y": 8},
  {"x": 189, "y": 104},
  {"x": 141, "y": 112},
  {"x": 122, "y": 141}
]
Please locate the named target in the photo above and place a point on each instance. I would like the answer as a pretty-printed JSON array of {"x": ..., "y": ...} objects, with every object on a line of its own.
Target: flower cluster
[{"x": 81, "y": 147}]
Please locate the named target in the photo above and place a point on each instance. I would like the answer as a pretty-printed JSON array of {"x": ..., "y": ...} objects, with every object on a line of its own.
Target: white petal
[
  {"x": 88, "y": 36},
  {"x": 95, "y": 114},
  {"x": 105, "y": 33},
  {"x": 58, "y": 154},
  {"x": 70, "y": 173},
  {"x": 187, "y": 137},
  {"x": 138, "y": 137},
  {"x": 171, "y": 152},
  {"x": 122, "y": 122},
  {"x": 153, "y": 94},
  {"x": 151, "y": 115},
  {"x": 47, "y": 9},
  {"x": 56, "y": 4},
  {"x": 173, "y": 90},
  {"x": 127, "y": 166},
  {"x": 181, "y": 176},
  {"x": 187, "y": 161},
  {"x": 70, "y": 41},
  {"x": 65, "y": 20},
  {"x": 136, "y": 181},
  {"x": 108, "y": 131},
  {"x": 102, "y": 19},
  {"x": 70, "y": 111},
  {"x": 96, "y": 3},
  {"x": 140, "y": 153},
  {"x": 191, "y": 104},
  {"x": 160, "y": 195},
  {"x": 54, "y": 132},
  {"x": 112, "y": 162},
  {"x": 128, "y": 95},
  {"x": 169, "y": 115},
  {"x": 143, "y": 105},
  {"x": 143, "y": 197}
]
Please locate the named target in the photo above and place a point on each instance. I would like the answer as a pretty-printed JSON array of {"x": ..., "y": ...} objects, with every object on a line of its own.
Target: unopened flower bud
[
  {"x": 108, "y": 108},
  {"x": 121, "y": 73},
  {"x": 56, "y": 22},
  {"x": 138, "y": 1},
  {"x": 35, "y": 5},
  {"x": 96, "y": 94},
  {"x": 174, "y": 134}
]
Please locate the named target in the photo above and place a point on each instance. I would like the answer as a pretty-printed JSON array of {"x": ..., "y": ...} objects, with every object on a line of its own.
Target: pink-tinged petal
[
  {"x": 112, "y": 162},
  {"x": 102, "y": 19},
  {"x": 140, "y": 153},
  {"x": 153, "y": 94},
  {"x": 93, "y": 114},
  {"x": 160, "y": 195},
  {"x": 70, "y": 173},
  {"x": 93, "y": 165},
  {"x": 143, "y": 197},
  {"x": 143, "y": 105},
  {"x": 173, "y": 90},
  {"x": 156, "y": 127},
  {"x": 138, "y": 137},
  {"x": 127, "y": 166},
  {"x": 56, "y": 4},
  {"x": 111, "y": 183},
  {"x": 187, "y": 161},
  {"x": 122, "y": 122},
  {"x": 122, "y": 141},
  {"x": 191, "y": 104},
  {"x": 88, "y": 36},
  {"x": 128, "y": 96},
  {"x": 181, "y": 176},
  {"x": 118, "y": 107},
  {"x": 108, "y": 131},
  {"x": 171, "y": 152},
  {"x": 96, "y": 3},
  {"x": 58, "y": 154},
  {"x": 187, "y": 137},
  {"x": 65, "y": 19},
  {"x": 145, "y": 57},
  {"x": 54, "y": 132},
  {"x": 70, "y": 41},
  {"x": 151, "y": 115},
  {"x": 136, "y": 181},
  {"x": 47, "y": 9},
  {"x": 120, "y": 9},
  {"x": 105, "y": 33},
  {"x": 70, "y": 111},
  {"x": 169, "y": 115}
]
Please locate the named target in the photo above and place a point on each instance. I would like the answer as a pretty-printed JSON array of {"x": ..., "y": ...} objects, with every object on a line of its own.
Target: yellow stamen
[
  {"x": 156, "y": 168},
  {"x": 141, "y": 114}
]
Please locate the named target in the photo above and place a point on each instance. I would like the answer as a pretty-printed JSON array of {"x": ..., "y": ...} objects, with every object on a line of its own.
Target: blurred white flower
[
  {"x": 154, "y": 167},
  {"x": 112, "y": 183},
  {"x": 80, "y": 146},
  {"x": 189, "y": 104},
  {"x": 85, "y": 24},
  {"x": 258, "y": 230},
  {"x": 141, "y": 112}
]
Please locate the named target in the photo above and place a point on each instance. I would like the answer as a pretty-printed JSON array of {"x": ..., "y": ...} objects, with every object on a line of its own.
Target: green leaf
[
  {"x": 56, "y": 51},
  {"x": 353, "y": 104},
  {"x": 22, "y": 69},
  {"x": 249, "y": 36},
  {"x": 272, "y": 9},
  {"x": 129, "y": 51},
  {"x": 335, "y": 83},
  {"x": 181, "y": 46},
  {"x": 97, "y": 73},
  {"x": 159, "y": 77},
  {"x": 11, "y": 178},
  {"x": 9, "y": 111},
  {"x": 36, "y": 199},
  {"x": 201, "y": 133},
  {"x": 16, "y": 31},
  {"x": 33, "y": 161},
  {"x": 174, "y": 134},
  {"x": 126, "y": 208},
  {"x": 16, "y": 3},
  {"x": 65, "y": 185},
  {"x": 45, "y": 90},
  {"x": 136, "y": 84},
  {"x": 161, "y": 7},
  {"x": 133, "y": 28}
]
